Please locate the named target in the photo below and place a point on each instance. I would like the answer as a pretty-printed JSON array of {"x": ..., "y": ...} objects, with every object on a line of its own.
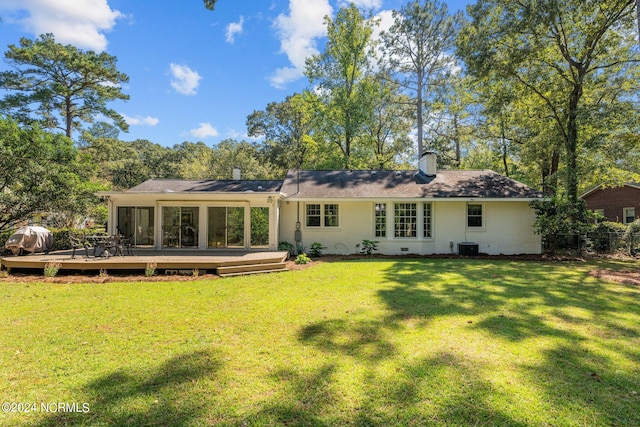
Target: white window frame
[
  {"x": 416, "y": 222},
  {"x": 390, "y": 220},
  {"x": 323, "y": 216},
  {"x": 380, "y": 225},
  {"x": 318, "y": 215},
  {"x": 427, "y": 232},
  {"x": 482, "y": 216},
  {"x": 327, "y": 214},
  {"x": 625, "y": 216}
]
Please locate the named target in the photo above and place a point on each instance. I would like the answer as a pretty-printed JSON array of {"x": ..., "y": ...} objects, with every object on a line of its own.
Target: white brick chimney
[
  {"x": 428, "y": 163},
  {"x": 236, "y": 174}
]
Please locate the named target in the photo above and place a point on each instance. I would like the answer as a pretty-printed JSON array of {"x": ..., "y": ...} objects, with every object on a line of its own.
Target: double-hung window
[
  {"x": 322, "y": 215},
  {"x": 629, "y": 215},
  {"x": 331, "y": 215},
  {"x": 314, "y": 216},
  {"x": 474, "y": 216}
]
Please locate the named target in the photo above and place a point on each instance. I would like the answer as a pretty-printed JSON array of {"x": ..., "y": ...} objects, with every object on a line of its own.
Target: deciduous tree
[
  {"x": 287, "y": 127},
  {"x": 340, "y": 73},
  {"x": 38, "y": 174},
  {"x": 578, "y": 58},
  {"x": 387, "y": 130}
]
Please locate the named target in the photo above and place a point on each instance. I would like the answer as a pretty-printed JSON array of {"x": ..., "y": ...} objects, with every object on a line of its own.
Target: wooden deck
[{"x": 222, "y": 263}]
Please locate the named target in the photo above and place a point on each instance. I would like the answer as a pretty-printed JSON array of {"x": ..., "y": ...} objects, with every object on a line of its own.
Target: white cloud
[
  {"x": 364, "y": 4},
  {"x": 244, "y": 136},
  {"x": 298, "y": 33},
  {"x": 205, "y": 130},
  {"x": 385, "y": 21},
  {"x": 233, "y": 29},
  {"x": 141, "y": 121},
  {"x": 184, "y": 79},
  {"x": 79, "y": 23}
]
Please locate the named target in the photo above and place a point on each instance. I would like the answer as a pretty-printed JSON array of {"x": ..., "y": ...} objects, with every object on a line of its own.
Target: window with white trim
[
  {"x": 313, "y": 215},
  {"x": 426, "y": 221},
  {"x": 405, "y": 220},
  {"x": 474, "y": 216},
  {"x": 380, "y": 212},
  {"x": 628, "y": 215},
  {"x": 322, "y": 215},
  {"x": 331, "y": 215}
]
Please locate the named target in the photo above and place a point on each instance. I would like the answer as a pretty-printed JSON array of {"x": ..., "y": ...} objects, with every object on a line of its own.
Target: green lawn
[{"x": 364, "y": 342}]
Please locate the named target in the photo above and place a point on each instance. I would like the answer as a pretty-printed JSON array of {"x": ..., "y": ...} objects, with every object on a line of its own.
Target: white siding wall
[{"x": 507, "y": 228}]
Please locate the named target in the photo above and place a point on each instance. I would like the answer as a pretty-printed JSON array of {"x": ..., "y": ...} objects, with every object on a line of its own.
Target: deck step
[{"x": 234, "y": 270}]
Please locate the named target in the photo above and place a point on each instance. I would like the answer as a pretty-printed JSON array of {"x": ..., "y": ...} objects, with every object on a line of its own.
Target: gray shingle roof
[
  {"x": 319, "y": 184},
  {"x": 403, "y": 184},
  {"x": 213, "y": 186}
]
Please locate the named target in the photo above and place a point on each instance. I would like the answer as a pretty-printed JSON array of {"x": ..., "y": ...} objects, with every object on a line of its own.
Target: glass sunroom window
[
  {"x": 137, "y": 222},
  {"x": 259, "y": 227},
  {"x": 180, "y": 226}
]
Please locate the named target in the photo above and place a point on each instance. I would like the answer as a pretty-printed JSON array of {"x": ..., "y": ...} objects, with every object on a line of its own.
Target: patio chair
[
  {"x": 78, "y": 243},
  {"x": 121, "y": 243},
  {"x": 127, "y": 244}
]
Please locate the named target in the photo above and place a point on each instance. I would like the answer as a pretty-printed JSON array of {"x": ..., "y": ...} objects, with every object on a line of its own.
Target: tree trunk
[
  {"x": 571, "y": 144},
  {"x": 456, "y": 132},
  {"x": 419, "y": 115},
  {"x": 638, "y": 12},
  {"x": 505, "y": 153},
  {"x": 505, "y": 148},
  {"x": 550, "y": 173},
  {"x": 347, "y": 150},
  {"x": 68, "y": 117}
]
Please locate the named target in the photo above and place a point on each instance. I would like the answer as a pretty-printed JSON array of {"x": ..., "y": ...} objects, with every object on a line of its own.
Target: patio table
[{"x": 103, "y": 246}]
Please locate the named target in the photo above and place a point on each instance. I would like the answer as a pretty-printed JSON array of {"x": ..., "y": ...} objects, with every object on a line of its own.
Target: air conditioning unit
[{"x": 468, "y": 248}]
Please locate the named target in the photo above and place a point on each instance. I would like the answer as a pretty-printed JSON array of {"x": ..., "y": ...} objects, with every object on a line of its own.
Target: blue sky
[{"x": 195, "y": 75}]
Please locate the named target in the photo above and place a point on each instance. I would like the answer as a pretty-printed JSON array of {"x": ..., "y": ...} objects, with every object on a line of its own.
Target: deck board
[{"x": 164, "y": 260}]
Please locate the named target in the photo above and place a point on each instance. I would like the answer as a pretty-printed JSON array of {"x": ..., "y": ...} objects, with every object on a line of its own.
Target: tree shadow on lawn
[
  {"x": 442, "y": 389},
  {"x": 588, "y": 385},
  {"x": 518, "y": 301},
  {"x": 361, "y": 339},
  {"x": 513, "y": 302},
  {"x": 155, "y": 396},
  {"x": 304, "y": 398},
  {"x": 412, "y": 397}
]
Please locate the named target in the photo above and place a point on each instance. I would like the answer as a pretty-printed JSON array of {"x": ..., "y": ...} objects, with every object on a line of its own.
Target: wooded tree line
[{"x": 543, "y": 91}]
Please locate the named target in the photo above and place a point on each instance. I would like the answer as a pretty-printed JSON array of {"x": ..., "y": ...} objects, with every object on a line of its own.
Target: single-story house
[
  {"x": 424, "y": 211},
  {"x": 615, "y": 204}
]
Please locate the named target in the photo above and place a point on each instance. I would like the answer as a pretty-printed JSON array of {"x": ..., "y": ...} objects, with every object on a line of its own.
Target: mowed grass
[{"x": 364, "y": 342}]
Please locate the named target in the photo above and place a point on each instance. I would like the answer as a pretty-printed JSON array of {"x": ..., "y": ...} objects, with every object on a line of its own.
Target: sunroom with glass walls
[{"x": 137, "y": 222}]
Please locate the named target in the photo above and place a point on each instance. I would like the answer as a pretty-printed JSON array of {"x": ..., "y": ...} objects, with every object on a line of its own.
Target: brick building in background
[{"x": 616, "y": 204}]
